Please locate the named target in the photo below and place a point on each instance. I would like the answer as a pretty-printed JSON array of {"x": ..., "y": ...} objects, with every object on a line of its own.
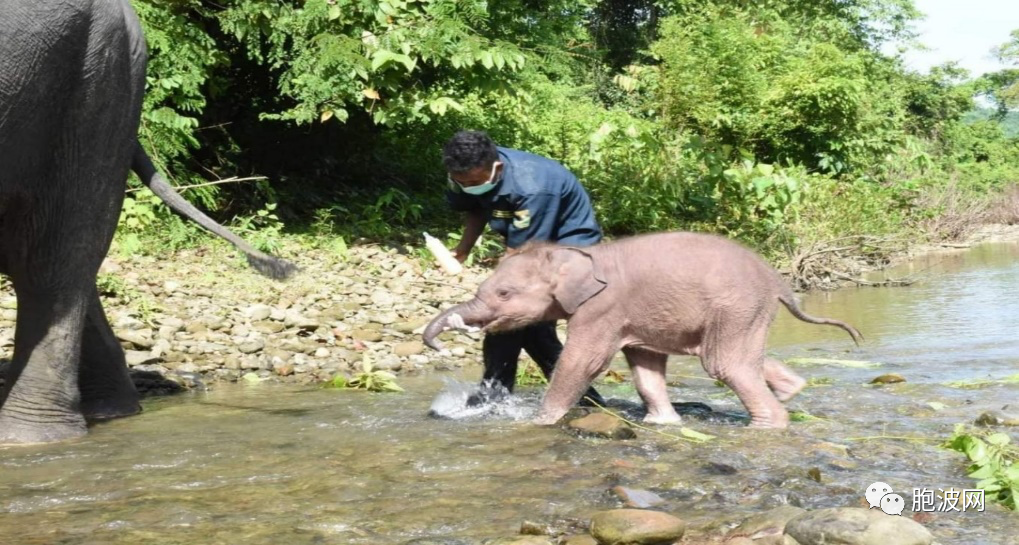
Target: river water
[{"x": 272, "y": 464}]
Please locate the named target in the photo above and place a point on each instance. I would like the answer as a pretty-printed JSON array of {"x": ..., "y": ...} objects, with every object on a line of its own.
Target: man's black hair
[{"x": 468, "y": 150}]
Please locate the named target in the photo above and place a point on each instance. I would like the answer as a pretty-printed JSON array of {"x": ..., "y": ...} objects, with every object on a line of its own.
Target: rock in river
[
  {"x": 636, "y": 527},
  {"x": 855, "y": 526}
]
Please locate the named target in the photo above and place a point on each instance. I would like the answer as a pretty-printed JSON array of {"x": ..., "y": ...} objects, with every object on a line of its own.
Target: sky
[{"x": 963, "y": 31}]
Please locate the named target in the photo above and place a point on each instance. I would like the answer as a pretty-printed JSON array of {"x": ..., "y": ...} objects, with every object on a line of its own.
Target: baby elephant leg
[
  {"x": 649, "y": 377},
  {"x": 782, "y": 380}
]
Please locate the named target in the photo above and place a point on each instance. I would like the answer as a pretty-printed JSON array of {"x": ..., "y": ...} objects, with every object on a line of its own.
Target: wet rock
[
  {"x": 995, "y": 418},
  {"x": 855, "y": 526},
  {"x": 524, "y": 540},
  {"x": 582, "y": 539},
  {"x": 556, "y": 527},
  {"x": 640, "y": 499},
  {"x": 437, "y": 541},
  {"x": 767, "y": 528},
  {"x": 636, "y": 527},
  {"x": 889, "y": 378},
  {"x": 410, "y": 348},
  {"x": 283, "y": 369},
  {"x": 603, "y": 425}
]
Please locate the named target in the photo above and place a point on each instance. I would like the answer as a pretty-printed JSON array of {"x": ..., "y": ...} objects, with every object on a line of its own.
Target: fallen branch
[{"x": 216, "y": 182}]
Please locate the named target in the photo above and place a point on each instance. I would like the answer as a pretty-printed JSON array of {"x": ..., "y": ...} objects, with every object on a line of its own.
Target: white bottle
[{"x": 442, "y": 255}]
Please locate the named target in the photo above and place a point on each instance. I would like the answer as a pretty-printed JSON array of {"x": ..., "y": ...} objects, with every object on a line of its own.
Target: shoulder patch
[
  {"x": 523, "y": 219},
  {"x": 502, "y": 214}
]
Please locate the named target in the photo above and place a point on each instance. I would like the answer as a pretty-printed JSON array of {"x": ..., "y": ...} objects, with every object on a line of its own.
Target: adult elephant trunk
[{"x": 472, "y": 312}]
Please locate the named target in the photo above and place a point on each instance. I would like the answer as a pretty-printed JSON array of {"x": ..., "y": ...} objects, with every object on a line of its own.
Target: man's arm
[{"x": 473, "y": 226}]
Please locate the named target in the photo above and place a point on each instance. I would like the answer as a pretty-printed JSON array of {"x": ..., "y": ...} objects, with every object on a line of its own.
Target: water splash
[{"x": 471, "y": 401}]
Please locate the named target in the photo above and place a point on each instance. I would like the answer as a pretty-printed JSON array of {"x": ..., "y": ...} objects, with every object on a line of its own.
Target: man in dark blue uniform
[{"x": 523, "y": 197}]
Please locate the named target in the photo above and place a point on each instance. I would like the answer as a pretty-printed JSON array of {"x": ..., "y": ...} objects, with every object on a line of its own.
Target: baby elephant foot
[
  {"x": 769, "y": 421},
  {"x": 663, "y": 419},
  {"x": 782, "y": 381}
]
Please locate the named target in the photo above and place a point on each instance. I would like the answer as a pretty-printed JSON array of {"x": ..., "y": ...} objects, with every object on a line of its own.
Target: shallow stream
[{"x": 271, "y": 464}]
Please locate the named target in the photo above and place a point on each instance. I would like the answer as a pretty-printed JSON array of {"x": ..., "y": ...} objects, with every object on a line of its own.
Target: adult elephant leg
[
  {"x": 107, "y": 390},
  {"x": 42, "y": 403}
]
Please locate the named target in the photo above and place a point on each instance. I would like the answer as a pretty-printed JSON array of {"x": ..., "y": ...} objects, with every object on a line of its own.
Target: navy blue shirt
[{"x": 535, "y": 199}]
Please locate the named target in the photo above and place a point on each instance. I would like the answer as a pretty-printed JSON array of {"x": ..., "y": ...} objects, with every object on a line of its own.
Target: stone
[
  {"x": 410, "y": 348},
  {"x": 171, "y": 321},
  {"x": 322, "y": 352},
  {"x": 856, "y": 526},
  {"x": 196, "y": 327},
  {"x": 267, "y": 327},
  {"x": 581, "y": 539},
  {"x": 140, "y": 338},
  {"x": 995, "y": 418},
  {"x": 409, "y": 327},
  {"x": 636, "y": 527},
  {"x": 252, "y": 346},
  {"x": 137, "y": 357},
  {"x": 283, "y": 369},
  {"x": 523, "y": 540},
  {"x": 888, "y": 378},
  {"x": 603, "y": 425},
  {"x": 384, "y": 318},
  {"x": 767, "y": 528},
  {"x": 257, "y": 313},
  {"x": 367, "y": 335},
  {"x": 634, "y": 497}
]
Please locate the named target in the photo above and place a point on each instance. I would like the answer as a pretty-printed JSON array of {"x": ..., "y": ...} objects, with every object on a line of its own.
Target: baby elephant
[{"x": 650, "y": 296}]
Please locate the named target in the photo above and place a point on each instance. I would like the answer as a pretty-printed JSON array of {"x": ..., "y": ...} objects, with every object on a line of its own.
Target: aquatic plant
[
  {"x": 530, "y": 374},
  {"x": 994, "y": 463},
  {"x": 369, "y": 379}
]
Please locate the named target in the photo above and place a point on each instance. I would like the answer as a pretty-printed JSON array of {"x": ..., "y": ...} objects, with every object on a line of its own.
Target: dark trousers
[{"x": 502, "y": 350}]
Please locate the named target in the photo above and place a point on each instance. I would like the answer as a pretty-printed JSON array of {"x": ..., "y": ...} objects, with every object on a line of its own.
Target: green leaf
[
  {"x": 334, "y": 12},
  {"x": 695, "y": 435},
  {"x": 486, "y": 59},
  {"x": 998, "y": 439}
]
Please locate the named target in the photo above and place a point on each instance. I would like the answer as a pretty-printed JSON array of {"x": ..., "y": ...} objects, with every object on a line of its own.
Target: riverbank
[{"x": 201, "y": 315}]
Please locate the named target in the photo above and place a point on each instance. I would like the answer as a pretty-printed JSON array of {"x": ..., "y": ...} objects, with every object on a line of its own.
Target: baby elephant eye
[{"x": 502, "y": 293}]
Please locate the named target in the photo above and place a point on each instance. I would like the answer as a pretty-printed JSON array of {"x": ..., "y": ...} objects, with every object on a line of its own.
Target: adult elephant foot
[
  {"x": 97, "y": 410},
  {"x": 14, "y": 432},
  {"x": 107, "y": 390}
]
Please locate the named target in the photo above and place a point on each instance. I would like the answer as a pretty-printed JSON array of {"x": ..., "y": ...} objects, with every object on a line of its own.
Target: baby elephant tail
[{"x": 790, "y": 303}]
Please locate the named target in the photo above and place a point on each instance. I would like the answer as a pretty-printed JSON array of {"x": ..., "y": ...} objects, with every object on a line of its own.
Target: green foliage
[
  {"x": 262, "y": 229},
  {"x": 369, "y": 379},
  {"x": 530, "y": 375},
  {"x": 994, "y": 463}
]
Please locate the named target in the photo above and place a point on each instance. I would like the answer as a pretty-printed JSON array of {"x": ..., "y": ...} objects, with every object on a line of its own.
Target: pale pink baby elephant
[{"x": 649, "y": 296}]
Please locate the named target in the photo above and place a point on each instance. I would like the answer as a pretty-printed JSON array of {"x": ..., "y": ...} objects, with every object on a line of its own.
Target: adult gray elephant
[
  {"x": 649, "y": 296},
  {"x": 72, "y": 75}
]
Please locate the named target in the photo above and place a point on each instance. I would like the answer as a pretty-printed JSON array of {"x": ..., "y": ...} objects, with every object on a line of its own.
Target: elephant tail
[
  {"x": 790, "y": 303},
  {"x": 270, "y": 266}
]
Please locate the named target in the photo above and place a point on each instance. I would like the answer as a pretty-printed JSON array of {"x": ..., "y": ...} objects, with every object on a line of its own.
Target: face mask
[{"x": 479, "y": 189}]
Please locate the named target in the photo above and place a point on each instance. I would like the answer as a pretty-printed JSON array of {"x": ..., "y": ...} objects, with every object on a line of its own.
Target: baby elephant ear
[{"x": 576, "y": 277}]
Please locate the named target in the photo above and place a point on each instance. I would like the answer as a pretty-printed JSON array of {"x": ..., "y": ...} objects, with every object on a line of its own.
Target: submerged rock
[
  {"x": 855, "y": 526},
  {"x": 995, "y": 418},
  {"x": 888, "y": 378},
  {"x": 636, "y": 527},
  {"x": 766, "y": 528},
  {"x": 522, "y": 540},
  {"x": 640, "y": 499},
  {"x": 603, "y": 425}
]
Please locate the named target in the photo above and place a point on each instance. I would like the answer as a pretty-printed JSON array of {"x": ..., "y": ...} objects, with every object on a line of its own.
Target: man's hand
[{"x": 460, "y": 254}]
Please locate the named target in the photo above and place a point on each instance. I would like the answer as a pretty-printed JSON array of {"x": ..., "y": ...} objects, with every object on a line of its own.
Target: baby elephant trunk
[{"x": 471, "y": 312}]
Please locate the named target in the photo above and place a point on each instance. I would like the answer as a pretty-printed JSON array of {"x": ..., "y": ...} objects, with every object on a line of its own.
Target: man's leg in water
[
  {"x": 543, "y": 345},
  {"x": 500, "y": 352}
]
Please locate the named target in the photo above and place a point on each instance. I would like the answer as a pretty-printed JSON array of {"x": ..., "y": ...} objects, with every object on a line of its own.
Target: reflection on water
[{"x": 269, "y": 464}]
